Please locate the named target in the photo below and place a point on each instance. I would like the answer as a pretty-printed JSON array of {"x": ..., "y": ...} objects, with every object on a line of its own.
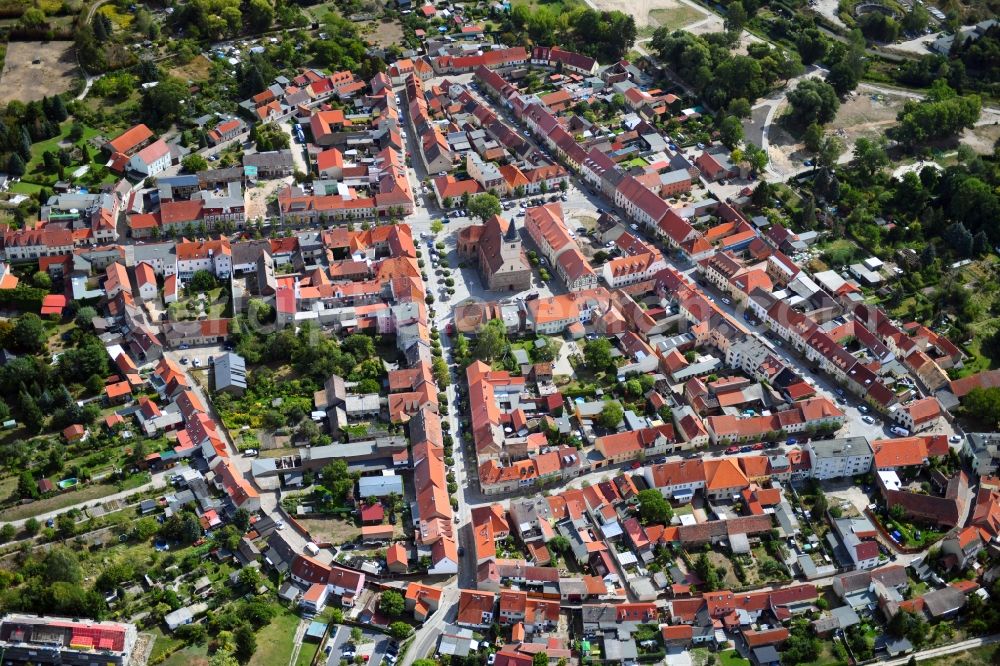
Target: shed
[{"x": 316, "y": 631}]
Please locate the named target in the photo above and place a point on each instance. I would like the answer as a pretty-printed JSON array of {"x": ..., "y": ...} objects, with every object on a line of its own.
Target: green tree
[
  {"x": 915, "y": 20},
  {"x": 484, "y": 206},
  {"x": 31, "y": 526},
  {"x": 28, "y": 334},
  {"x": 337, "y": 480},
  {"x": 223, "y": 658},
  {"x": 164, "y": 102},
  {"x": 731, "y": 132},
  {"x": 492, "y": 343},
  {"x": 597, "y": 354},
  {"x": 813, "y": 137},
  {"x": 26, "y": 486},
  {"x": 654, "y": 508},
  {"x": 246, "y": 642},
  {"x": 202, "y": 281},
  {"x": 15, "y": 165},
  {"x": 400, "y": 630},
  {"x": 559, "y": 543},
  {"x": 193, "y": 163},
  {"x": 870, "y": 156},
  {"x": 259, "y": 14},
  {"x": 7, "y": 532},
  {"x": 878, "y": 27},
  {"x": 33, "y": 18},
  {"x": 982, "y": 404},
  {"x": 540, "y": 659},
  {"x": 241, "y": 520},
  {"x": 392, "y": 603},
  {"x": 736, "y": 17},
  {"x": 611, "y": 415},
  {"x": 813, "y": 101},
  {"x": 739, "y": 108},
  {"x": 61, "y": 565}
]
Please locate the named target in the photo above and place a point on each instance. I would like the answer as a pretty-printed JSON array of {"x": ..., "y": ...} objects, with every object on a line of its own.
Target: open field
[
  {"x": 383, "y": 33},
  {"x": 675, "y": 17},
  {"x": 33, "y": 70}
]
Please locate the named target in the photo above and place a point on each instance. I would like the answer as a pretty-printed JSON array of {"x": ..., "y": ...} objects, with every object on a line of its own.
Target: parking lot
[{"x": 377, "y": 647}]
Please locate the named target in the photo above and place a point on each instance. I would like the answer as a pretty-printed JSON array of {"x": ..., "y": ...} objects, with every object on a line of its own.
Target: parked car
[
  {"x": 732, "y": 449},
  {"x": 759, "y": 446},
  {"x": 955, "y": 439},
  {"x": 868, "y": 419},
  {"x": 863, "y": 409}
]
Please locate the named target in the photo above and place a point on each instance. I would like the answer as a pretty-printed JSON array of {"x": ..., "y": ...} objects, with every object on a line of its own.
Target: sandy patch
[
  {"x": 829, "y": 9},
  {"x": 982, "y": 138},
  {"x": 668, "y": 11},
  {"x": 33, "y": 70}
]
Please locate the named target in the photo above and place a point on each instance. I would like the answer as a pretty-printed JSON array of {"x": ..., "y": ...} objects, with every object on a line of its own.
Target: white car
[
  {"x": 868, "y": 419},
  {"x": 726, "y": 301}
]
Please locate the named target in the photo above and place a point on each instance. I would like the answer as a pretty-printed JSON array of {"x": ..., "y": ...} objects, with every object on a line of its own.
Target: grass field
[
  {"x": 674, "y": 18},
  {"x": 275, "y": 641}
]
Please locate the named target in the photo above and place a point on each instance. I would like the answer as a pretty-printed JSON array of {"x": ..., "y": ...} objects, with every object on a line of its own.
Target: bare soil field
[
  {"x": 862, "y": 115},
  {"x": 33, "y": 70},
  {"x": 982, "y": 138},
  {"x": 196, "y": 70},
  {"x": 383, "y": 33}
]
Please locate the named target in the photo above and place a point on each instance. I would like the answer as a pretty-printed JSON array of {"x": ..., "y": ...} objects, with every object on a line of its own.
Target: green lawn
[
  {"x": 25, "y": 188},
  {"x": 306, "y": 654},
  {"x": 195, "y": 655},
  {"x": 162, "y": 645},
  {"x": 732, "y": 658},
  {"x": 674, "y": 18},
  {"x": 37, "y": 149},
  {"x": 275, "y": 641}
]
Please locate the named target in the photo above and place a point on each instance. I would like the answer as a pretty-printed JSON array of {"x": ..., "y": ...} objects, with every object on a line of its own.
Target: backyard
[{"x": 276, "y": 641}]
